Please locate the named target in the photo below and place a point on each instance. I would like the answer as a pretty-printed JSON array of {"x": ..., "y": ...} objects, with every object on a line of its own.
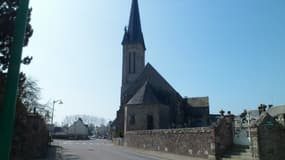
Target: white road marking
[{"x": 85, "y": 143}]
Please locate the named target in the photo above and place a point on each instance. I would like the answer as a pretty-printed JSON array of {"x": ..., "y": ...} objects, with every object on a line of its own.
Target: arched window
[{"x": 132, "y": 62}]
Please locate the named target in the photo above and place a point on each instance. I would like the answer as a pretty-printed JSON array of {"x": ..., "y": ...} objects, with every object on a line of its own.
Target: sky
[{"x": 232, "y": 51}]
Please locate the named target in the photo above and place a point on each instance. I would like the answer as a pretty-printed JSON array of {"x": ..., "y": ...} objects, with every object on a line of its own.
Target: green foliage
[{"x": 8, "y": 10}]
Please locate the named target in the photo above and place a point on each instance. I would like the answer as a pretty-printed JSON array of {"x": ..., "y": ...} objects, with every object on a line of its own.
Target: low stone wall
[
  {"x": 196, "y": 142},
  {"x": 118, "y": 141},
  {"x": 204, "y": 142}
]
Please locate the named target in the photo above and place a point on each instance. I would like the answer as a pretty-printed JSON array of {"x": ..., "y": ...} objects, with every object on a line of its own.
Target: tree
[
  {"x": 8, "y": 10},
  {"x": 243, "y": 116},
  {"x": 29, "y": 94},
  {"x": 87, "y": 119}
]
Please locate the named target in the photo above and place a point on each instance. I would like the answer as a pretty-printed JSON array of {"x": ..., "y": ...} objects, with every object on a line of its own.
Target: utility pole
[{"x": 7, "y": 113}]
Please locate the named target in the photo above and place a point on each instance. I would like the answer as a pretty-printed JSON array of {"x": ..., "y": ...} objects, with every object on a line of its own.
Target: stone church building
[{"x": 148, "y": 101}]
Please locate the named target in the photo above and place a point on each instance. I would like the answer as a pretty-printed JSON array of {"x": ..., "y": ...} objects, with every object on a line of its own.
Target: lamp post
[
  {"x": 59, "y": 101},
  {"x": 51, "y": 128}
]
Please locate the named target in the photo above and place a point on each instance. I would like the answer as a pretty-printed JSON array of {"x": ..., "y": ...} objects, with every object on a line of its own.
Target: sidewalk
[{"x": 54, "y": 153}]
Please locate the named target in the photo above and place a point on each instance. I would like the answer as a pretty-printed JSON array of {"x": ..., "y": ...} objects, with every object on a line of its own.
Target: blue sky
[{"x": 232, "y": 51}]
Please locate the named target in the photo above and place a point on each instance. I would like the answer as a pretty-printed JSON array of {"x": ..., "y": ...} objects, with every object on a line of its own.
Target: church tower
[{"x": 133, "y": 49}]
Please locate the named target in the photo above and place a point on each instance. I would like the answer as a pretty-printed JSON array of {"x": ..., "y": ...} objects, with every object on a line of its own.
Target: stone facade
[
  {"x": 197, "y": 112},
  {"x": 133, "y": 64},
  {"x": 143, "y": 117}
]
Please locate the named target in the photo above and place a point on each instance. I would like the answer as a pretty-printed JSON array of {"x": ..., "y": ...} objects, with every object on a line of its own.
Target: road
[{"x": 100, "y": 150}]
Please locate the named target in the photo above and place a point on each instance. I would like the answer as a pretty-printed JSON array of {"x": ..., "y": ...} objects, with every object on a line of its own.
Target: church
[{"x": 148, "y": 101}]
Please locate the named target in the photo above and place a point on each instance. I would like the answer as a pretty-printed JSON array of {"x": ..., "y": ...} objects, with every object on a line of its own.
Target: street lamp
[{"x": 59, "y": 101}]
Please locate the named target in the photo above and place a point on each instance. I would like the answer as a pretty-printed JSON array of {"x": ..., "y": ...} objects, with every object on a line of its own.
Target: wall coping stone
[{"x": 174, "y": 131}]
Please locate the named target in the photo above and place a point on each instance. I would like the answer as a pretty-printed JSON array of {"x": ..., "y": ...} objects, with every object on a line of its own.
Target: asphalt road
[{"x": 99, "y": 150}]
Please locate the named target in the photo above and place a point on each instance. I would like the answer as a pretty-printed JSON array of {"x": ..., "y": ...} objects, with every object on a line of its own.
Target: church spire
[{"x": 133, "y": 34}]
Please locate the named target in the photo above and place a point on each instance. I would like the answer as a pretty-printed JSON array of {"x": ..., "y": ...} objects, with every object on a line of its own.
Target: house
[
  {"x": 278, "y": 112},
  {"x": 59, "y": 132},
  {"x": 78, "y": 130},
  {"x": 250, "y": 117}
]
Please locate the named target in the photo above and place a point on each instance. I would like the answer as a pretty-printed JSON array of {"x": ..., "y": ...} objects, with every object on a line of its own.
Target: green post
[{"x": 7, "y": 113}]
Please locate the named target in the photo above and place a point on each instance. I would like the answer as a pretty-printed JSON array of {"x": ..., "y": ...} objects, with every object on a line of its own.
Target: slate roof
[
  {"x": 133, "y": 34},
  {"x": 254, "y": 114},
  {"x": 152, "y": 82},
  {"x": 144, "y": 95},
  {"x": 198, "y": 101},
  {"x": 264, "y": 117},
  {"x": 276, "y": 110},
  {"x": 151, "y": 75}
]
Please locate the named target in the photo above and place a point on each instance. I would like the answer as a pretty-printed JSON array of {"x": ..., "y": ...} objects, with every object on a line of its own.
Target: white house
[{"x": 78, "y": 130}]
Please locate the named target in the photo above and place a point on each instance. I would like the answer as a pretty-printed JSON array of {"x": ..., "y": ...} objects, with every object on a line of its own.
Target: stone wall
[
  {"x": 224, "y": 134},
  {"x": 270, "y": 142},
  {"x": 118, "y": 141},
  {"x": 204, "y": 142},
  {"x": 267, "y": 139},
  {"x": 197, "y": 142}
]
